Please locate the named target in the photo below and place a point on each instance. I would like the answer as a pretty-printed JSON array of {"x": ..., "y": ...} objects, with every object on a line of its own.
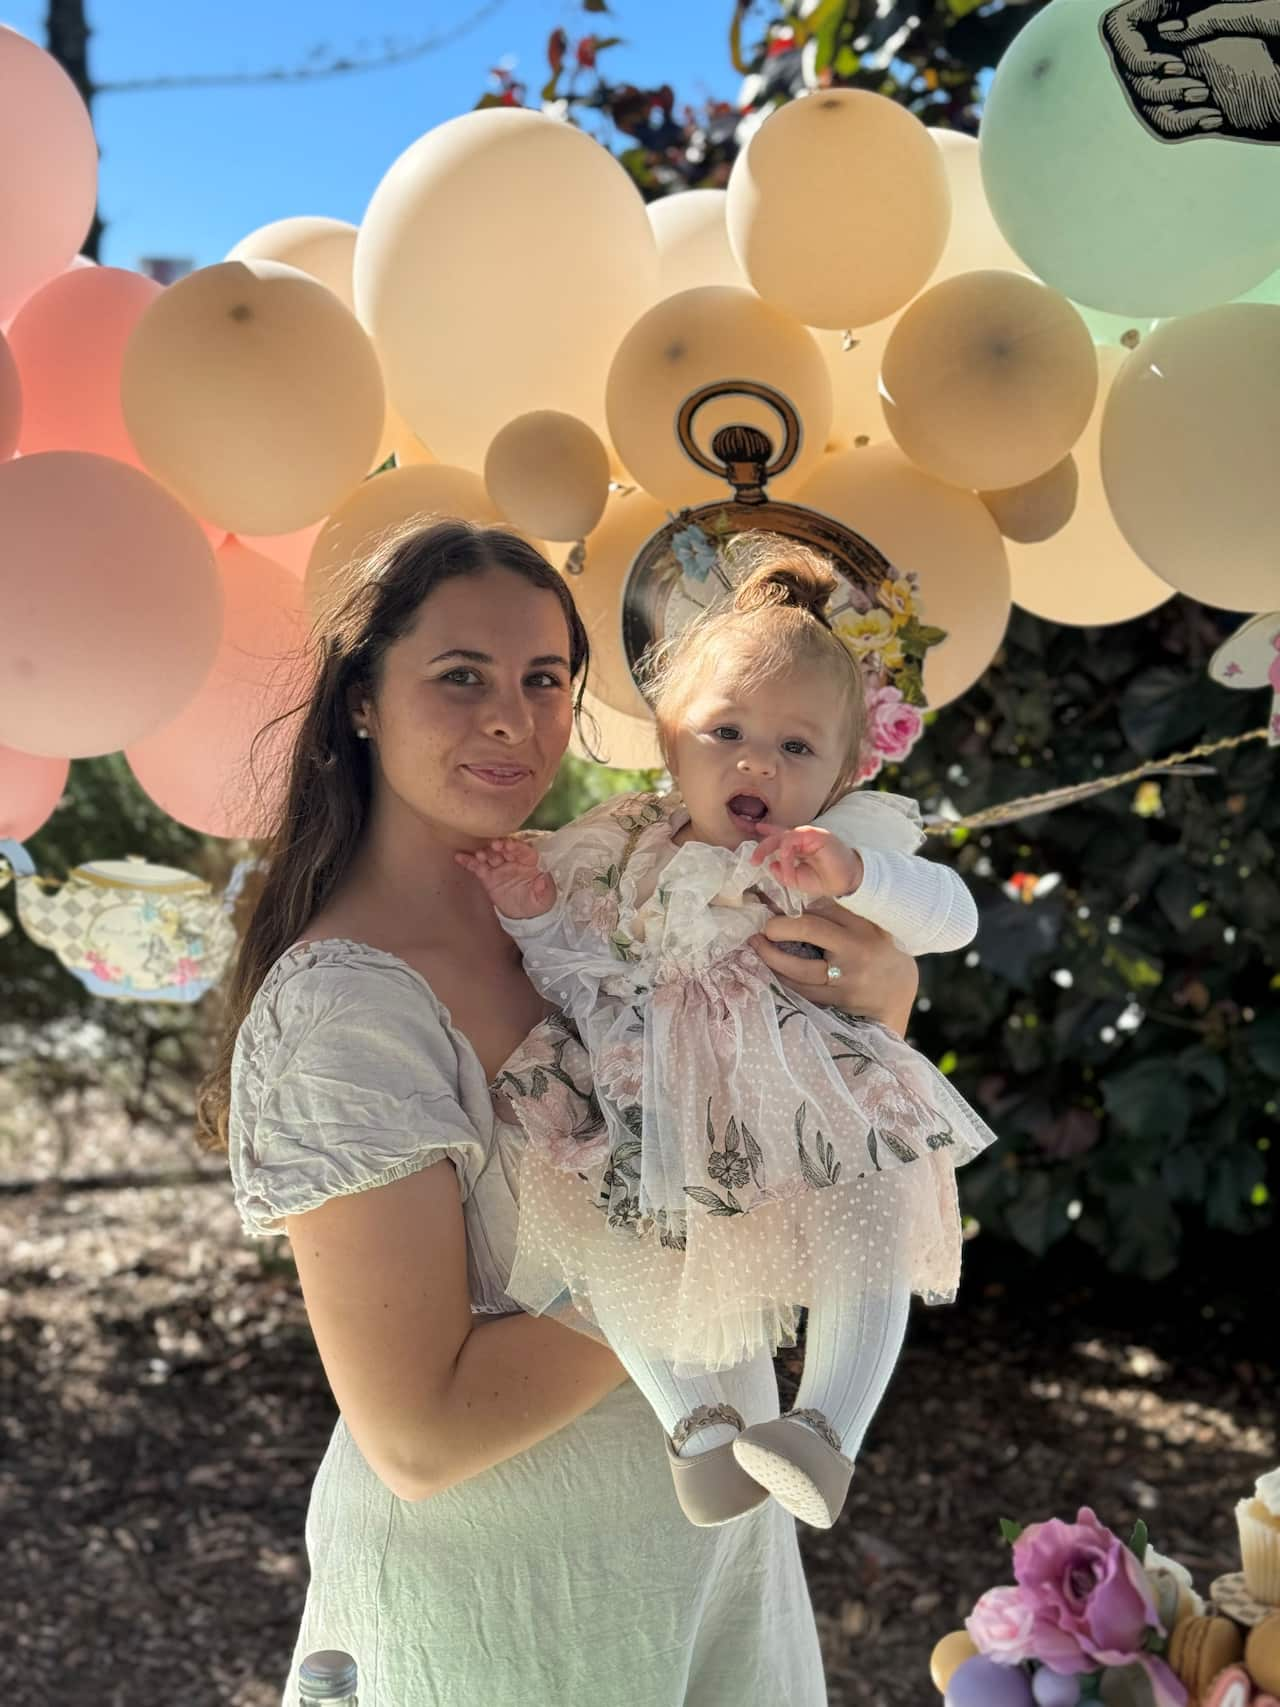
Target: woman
[{"x": 494, "y": 1520}]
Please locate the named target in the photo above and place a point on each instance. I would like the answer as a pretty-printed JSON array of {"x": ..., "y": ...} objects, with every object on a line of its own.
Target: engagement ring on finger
[{"x": 834, "y": 973}]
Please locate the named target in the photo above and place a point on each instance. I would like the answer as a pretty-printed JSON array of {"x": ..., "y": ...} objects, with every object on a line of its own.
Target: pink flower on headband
[{"x": 893, "y": 725}]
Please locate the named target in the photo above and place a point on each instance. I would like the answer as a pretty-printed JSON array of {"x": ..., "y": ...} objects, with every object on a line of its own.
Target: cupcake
[{"x": 1259, "y": 1521}]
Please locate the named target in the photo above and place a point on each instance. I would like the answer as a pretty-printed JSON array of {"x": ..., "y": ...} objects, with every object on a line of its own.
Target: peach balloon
[
  {"x": 838, "y": 208},
  {"x": 1087, "y": 574},
  {"x": 318, "y": 246},
  {"x": 697, "y": 339},
  {"x": 946, "y": 536},
  {"x": 1035, "y": 512},
  {"x": 500, "y": 261},
  {"x": 221, "y": 766},
  {"x": 549, "y": 474},
  {"x": 853, "y": 364},
  {"x": 988, "y": 379},
  {"x": 112, "y": 605},
  {"x": 292, "y": 551},
  {"x": 48, "y": 169},
  {"x": 254, "y": 394},
  {"x": 975, "y": 242},
  {"x": 69, "y": 341},
  {"x": 30, "y": 787},
  {"x": 692, "y": 233},
  {"x": 629, "y": 519},
  {"x": 382, "y": 505},
  {"x": 611, "y": 738},
  {"x": 10, "y": 401}
]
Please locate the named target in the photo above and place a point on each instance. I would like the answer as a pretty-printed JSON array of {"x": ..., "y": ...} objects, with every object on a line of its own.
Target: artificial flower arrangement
[{"x": 1091, "y": 1617}]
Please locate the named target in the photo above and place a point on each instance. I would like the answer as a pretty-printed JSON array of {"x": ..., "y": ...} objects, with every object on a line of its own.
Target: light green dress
[{"x": 566, "y": 1576}]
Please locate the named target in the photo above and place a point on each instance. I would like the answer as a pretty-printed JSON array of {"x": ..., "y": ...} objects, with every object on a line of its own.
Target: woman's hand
[{"x": 876, "y": 979}]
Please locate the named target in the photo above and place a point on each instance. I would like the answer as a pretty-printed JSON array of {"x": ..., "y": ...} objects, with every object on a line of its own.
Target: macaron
[
  {"x": 1262, "y": 1654},
  {"x": 1200, "y": 1648},
  {"x": 951, "y": 1652}
]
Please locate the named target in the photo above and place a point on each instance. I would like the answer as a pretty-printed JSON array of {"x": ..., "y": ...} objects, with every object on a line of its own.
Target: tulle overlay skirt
[{"x": 740, "y": 1152}]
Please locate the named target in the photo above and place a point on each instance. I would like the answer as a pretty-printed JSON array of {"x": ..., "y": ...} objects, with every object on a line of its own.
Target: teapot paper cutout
[
  {"x": 1251, "y": 659},
  {"x": 127, "y": 929}
]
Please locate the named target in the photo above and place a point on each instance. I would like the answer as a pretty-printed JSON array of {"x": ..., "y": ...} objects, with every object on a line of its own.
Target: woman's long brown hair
[{"x": 367, "y": 608}]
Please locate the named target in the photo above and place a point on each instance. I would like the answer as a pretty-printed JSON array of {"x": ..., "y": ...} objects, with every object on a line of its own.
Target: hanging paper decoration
[
  {"x": 1251, "y": 659},
  {"x": 128, "y": 929}
]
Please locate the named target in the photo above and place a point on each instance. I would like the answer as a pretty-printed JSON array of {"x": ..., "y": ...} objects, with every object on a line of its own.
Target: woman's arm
[
  {"x": 876, "y": 979},
  {"x": 431, "y": 1395}
]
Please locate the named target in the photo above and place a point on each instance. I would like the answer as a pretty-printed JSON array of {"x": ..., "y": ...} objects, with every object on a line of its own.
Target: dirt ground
[{"x": 162, "y": 1412}]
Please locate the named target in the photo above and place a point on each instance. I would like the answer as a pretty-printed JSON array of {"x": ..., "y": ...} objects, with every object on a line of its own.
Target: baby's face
[{"x": 752, "y": 762}]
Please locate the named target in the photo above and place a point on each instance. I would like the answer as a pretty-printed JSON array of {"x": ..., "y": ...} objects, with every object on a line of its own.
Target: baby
[{"x": 748, "y": 1152}]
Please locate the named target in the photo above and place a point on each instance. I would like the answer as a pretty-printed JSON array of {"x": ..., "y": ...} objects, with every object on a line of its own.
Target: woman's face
[{"x": 475, "y": 705}]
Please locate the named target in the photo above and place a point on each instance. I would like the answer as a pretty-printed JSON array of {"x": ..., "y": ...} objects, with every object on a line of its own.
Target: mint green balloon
[
  {"x": 1094, "y": 202},
  {"x": 1268, "y": 291}
]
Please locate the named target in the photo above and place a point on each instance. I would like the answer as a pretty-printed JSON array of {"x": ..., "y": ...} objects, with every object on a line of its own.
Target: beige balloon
[
  {"x": 378, "y": 508},
  {"x": 838, "y": 208},
  {"x": 500, "y": 261},
  {"x": 942, "y": 534},
  {"x": 988, "y": 379},
  {"x": 696, "y": 339},
  {"x": 692, "y": 233},
  {"x": 1086, "y": 574},
  {"x": 254, "y": 395},
  {"x": 853, "y": 364},
  {"x": 1035, "y": 512},
  {"x": 611, "y": 738},
  {"x": 549, "y": 474},
  {"x": 629, "y": 519},
  {"x": 325, "y": 250},
  {"x": 1189, "y": 440},
  {"x": 975, "y": 241},
  {"x": 320, "y": 247}
]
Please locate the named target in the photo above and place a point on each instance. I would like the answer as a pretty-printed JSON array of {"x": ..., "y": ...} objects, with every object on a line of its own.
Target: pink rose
[
  {"x": 895, "y": 726},
  {"x": 1002, "y": 1625},
  {"x": 1092, "y": 1601}
]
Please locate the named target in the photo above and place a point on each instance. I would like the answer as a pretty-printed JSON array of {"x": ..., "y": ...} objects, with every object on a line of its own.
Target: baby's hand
[
  {"x": 813, "y": 861},
  {"x": 513, "y": 878}
]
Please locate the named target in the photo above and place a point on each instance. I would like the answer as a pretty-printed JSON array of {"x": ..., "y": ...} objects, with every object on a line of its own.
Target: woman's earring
[{"x": 362, "y": 734}]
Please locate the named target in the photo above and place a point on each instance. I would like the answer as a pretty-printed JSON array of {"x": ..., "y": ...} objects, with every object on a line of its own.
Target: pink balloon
[
  {"x": 112, "y": 607},
  {"x": 48, "y": 169},
  {"x": 30, "y": 788},
  {"x": 68, "y": 341},
  {"x": 291, "y": 550},
  {"x": 207, "y": 768},
  {"x": 10, "y": 401}
]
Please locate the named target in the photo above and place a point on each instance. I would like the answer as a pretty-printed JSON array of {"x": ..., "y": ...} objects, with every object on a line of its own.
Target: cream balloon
[
  {"x": 1035, "y": 512},
  {"x": 549, "y": 474},
  {"x": 500, "y": 261},
  {"x": 612, "y": 738},
  {"x": 629, "y": 519},
  {"x": 988, "y": 380},
  {"x": 1189, "y": 442},
  {"x": 975, "y": 242},
  {"x": 692, "y": 234},
  {"x": 381, "y": 506},
  {"x": 320, "y": 247},
  {"x": 1086, "y": 574},
  {"x": 943, "y": 535},
  {"x": 324, "y": 249},
  {"x": 254, "y": 394},
  {"x": 112, "y": 606},
  {"x": 853, "y": 363},
  {"x": 696, "y": 339},
  {"x": 838, "y": 208}
]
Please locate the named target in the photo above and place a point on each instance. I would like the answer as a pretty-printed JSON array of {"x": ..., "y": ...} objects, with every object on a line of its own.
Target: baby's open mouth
[{"x": 749, "y": 812}]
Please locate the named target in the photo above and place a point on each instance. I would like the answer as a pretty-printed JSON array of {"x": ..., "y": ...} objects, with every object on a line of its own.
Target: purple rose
[
  {"x": 1002, "y": 1626},
  {"x": 1093, "y": 1603},
  {"x": 894, "y": 725}
]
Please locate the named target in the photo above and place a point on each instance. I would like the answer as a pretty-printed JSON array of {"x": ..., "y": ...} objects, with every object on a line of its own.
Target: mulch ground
[{"x": 162, "y": 1412}]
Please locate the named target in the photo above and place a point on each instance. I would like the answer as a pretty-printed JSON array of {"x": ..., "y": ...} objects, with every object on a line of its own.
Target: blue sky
[{"x": 187, "y": 173}]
